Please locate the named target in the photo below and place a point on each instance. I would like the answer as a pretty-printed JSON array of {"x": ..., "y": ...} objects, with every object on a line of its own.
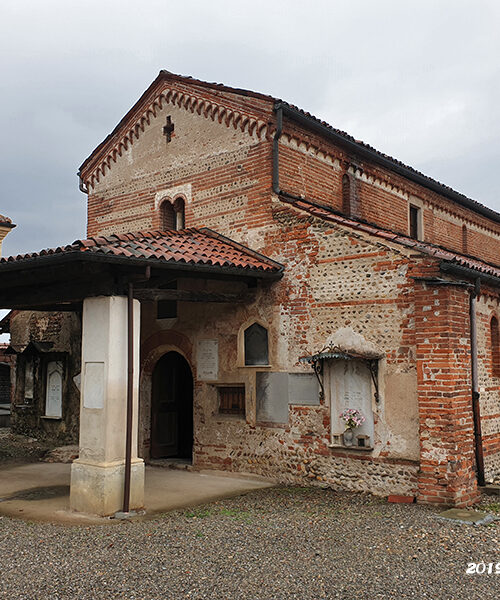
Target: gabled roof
[
  {"x": 133, "y": 121},
  {"x": 328, "y": 214},
  {"x": 188, "y": 246}
]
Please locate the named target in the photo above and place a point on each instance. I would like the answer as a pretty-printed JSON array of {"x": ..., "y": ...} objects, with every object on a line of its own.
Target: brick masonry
[{"x": 219, "y": 161}]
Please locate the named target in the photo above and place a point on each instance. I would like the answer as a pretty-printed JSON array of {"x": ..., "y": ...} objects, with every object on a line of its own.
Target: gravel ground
[{"x": 280, "y": 543}]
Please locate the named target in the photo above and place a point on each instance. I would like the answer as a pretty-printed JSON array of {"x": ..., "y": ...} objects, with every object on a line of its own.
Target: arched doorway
[{"x": 172, "y": 408}]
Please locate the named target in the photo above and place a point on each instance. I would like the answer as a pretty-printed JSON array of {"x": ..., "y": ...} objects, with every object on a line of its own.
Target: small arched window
[
  {"x": 167, "y": 216},
  {"x": 256, "y": 345},
  {"x": 172, "y": 215},
  {"x": 495, "y": 347}
]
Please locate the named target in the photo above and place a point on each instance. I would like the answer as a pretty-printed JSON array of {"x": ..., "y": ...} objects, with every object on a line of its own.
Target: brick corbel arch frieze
[{"x": 208, "y": 108}]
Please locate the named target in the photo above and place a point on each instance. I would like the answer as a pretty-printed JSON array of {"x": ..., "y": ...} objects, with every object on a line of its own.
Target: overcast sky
[{"x": 418, "y": 80}]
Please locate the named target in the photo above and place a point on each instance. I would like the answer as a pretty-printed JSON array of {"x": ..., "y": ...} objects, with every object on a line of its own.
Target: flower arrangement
[{"x": 352, "y": 418}]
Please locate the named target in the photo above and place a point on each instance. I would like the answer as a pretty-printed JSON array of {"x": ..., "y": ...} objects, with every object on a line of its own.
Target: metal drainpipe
[
  {"x": 478, "y": 440},
  {"x": 276, "y": 159},
  {"x": 130, "y": 394},
  {"x": 130, "y": 387}
]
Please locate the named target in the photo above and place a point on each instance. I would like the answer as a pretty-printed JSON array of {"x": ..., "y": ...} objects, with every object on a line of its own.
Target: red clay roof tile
[{"x": 189, "y": 246}]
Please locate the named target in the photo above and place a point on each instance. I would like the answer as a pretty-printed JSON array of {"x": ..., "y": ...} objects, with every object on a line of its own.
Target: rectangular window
[
  {"x": 232, "y": 400},
  {"x": 415, "y": 228}
]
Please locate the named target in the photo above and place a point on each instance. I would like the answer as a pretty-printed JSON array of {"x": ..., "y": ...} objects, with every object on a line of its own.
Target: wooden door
[{"x": 172, "y": 408}]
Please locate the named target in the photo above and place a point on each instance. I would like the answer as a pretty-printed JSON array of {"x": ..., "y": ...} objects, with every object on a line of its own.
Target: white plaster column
[{"x": 97, "y": 476}]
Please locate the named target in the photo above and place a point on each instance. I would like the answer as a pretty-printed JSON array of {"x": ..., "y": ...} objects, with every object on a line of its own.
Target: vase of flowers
[{"x": 352, "y": 418}]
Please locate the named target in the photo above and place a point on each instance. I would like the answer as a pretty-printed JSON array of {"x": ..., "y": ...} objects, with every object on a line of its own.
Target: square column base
[{"x": 97, "y": 488}]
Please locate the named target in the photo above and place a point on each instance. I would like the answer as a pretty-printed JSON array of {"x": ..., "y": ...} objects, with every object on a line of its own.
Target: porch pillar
[{"x": 97, "y": 476}]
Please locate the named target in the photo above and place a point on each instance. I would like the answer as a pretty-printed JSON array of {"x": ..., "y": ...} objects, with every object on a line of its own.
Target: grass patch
[
  {"x": 197, "y": 513},
  {"x": 493, "y": 507},
  {"x": 236, "y": 513}
]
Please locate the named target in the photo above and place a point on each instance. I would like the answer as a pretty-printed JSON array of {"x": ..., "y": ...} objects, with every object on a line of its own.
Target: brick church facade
[{"x": 386, "y": 300}]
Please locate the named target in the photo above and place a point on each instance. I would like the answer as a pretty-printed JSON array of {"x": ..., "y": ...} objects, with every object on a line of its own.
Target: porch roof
[{"x": 60, "y": 278}]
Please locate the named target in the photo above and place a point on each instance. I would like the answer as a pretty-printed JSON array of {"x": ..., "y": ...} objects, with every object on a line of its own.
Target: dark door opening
[{"x": 172, "y": 408}]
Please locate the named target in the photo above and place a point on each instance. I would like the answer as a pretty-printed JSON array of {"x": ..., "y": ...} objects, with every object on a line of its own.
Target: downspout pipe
[
  {"x": 130, "y": 388},
  {"x": 476, "y": 411}
]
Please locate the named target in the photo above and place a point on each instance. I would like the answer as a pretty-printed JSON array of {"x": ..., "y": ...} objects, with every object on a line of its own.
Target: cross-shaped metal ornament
[{"x": 168, "y": 129}]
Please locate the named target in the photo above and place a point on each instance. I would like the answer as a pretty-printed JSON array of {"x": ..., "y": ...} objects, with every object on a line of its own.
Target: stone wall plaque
[
  {"x": 93, "y": 385},
  {"x": 303, "y": 389},
  {"x": 207, "y": 360},
  {"x": 351, "y": 387},
  {"x": 53, "y": 394},
  {"x": 272, "y": 397}
]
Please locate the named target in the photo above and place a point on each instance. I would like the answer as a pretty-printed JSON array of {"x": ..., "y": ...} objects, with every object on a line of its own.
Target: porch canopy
[
  {"x": 61, "y": 278},
  {"x": 105, "y": 277}
]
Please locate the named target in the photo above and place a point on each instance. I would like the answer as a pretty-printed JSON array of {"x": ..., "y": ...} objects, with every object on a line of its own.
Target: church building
[{"x": 259, "y": 292}]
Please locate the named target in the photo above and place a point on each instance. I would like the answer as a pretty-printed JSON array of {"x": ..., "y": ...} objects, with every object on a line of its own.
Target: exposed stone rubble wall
[{"x": 63, "y": 330}]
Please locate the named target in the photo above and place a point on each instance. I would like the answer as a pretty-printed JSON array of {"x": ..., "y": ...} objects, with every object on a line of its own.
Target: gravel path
[{"x": 281, "y": 543}]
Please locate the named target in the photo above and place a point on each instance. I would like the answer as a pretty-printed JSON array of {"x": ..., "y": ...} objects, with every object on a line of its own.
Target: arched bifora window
[
  {"x": 167, "y": 216},
  {"x": 172, "y": 215},
  {"x": 495, "y": 347},
  {"x": 256, "y": 345},
  {"x": 179, "y": 213}
]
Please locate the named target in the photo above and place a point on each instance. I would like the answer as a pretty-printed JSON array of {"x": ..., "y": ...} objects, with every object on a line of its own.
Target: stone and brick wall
[
  {"x": 488, "y": 306},
  {"x": 335, "y": 277},
  {"x": 63, "y": 330}
]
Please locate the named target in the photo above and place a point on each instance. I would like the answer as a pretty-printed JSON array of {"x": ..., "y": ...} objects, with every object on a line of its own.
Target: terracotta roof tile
[
  {"x": 189, "y": 246},
  {"x": 6, "y": 221}
]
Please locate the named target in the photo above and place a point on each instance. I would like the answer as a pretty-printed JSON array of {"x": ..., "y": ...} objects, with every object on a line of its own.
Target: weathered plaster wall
[
  {"x": 300, "y": 316},
  {"x": 64, "y": 331}
]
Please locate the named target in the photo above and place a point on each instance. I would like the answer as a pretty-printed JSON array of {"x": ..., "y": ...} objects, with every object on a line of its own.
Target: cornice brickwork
[{"x": 126, "y": 136}]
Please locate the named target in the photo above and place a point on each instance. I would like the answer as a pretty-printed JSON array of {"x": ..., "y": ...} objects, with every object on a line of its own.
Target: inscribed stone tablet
[
  {"x": 303, "y": 389},
  {"x": 272, "y": 397},
  {"x": 207, "y": 360},
  {"x": 53, "y": 399}
]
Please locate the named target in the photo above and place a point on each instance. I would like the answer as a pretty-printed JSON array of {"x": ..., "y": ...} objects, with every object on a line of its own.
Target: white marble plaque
[
  {"x": 351, "y": 387},
  {"x": 28, "y": 379},
  {"x": 93, "y": 385},
  {"x": 207, "y": 360},
  {"x": 53, "y": 395}
]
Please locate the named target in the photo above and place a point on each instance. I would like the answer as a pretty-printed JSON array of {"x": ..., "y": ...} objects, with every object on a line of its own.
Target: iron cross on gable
[{"x": 168, "y": 129}]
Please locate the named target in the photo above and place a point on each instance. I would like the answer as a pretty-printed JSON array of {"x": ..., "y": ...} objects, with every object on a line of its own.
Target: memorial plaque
[
  {"x": 351, "y": 387},
  {"x": 28, "y": 379},
  {"x": 93, "y": 385},
  {"x": 272, "y": 397},
  {"x": 207, "y": 360},
  {"x": 303, "y": 389},
  {"x": 53, "y": 397}
]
